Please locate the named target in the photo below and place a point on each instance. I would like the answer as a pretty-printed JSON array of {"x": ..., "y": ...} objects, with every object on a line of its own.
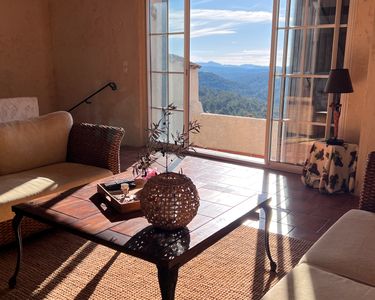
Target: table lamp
[{"x": 338, "y": 83}]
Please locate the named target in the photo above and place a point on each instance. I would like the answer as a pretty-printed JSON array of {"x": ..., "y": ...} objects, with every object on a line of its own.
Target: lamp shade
[{"x": 339, "y": 82}]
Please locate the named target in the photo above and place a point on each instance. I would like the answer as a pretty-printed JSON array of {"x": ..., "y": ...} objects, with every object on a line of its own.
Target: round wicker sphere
[{"x": 169, "y": 201}]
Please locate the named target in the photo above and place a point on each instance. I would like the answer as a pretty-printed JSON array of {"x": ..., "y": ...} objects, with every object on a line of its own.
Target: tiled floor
[{"x": 297, "y": 211}]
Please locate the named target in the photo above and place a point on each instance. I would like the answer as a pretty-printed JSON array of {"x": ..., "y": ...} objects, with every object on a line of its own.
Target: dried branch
[{"x": 158, "y": 137}]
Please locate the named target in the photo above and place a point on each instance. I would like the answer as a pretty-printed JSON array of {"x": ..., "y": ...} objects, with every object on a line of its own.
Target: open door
[
  {"x": 308, "y": 40},
  {"x": 168, "y": 60}
]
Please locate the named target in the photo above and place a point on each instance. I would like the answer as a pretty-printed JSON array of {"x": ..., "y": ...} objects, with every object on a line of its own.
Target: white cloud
[
  {"x": 238, "y": 16},
  {"x": 199, "y": 2},
  {"x": 207, "y": 22},
  {"x": 202, "y": 29},
  {"x": 259, "y": 57}
]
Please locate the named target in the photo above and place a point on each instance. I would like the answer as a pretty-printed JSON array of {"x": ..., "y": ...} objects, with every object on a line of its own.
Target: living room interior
[{"x": 249, "y": 229}]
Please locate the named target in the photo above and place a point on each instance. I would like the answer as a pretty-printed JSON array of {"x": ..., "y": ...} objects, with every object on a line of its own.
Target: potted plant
[{"x": 169, "y": 200}]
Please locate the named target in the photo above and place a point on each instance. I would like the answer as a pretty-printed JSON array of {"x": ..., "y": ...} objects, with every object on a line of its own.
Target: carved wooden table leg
[
  {"x": 167, "y": 282},
  {"x": 17, "y": 230},
  {"x": 268, "y": 212}
]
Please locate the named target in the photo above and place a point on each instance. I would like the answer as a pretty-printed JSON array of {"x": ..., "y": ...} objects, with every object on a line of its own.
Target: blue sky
[{"x": 231, "y": 31}]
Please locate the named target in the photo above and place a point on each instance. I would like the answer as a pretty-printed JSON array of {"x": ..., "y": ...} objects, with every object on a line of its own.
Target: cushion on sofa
[
  {"x": 34, "y": 143},
  {"x": 24, "y": 186},
  {"x": 347, "y": 248},
  {"x": 20, "y": 108},
  {"x": 307, "y": 282}
]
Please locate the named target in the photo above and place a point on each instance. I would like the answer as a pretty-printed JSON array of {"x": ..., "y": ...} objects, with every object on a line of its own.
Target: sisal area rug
[{"x": 62, "y": 266}]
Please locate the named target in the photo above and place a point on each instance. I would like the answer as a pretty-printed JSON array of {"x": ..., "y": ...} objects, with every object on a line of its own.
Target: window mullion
[
  {"x": 336, "y": 33},
  {"x": 167, "y": 56},
  {"x": 186, "y": 99},
  {"x": 282, "y": 85}
]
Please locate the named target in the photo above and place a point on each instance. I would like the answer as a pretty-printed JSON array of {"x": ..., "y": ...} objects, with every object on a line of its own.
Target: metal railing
[{"x": 111, "y": 84}]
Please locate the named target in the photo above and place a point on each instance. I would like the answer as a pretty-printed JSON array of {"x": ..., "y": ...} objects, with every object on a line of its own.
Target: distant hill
[
  {"x": 246, "y": 84},
  {"x": 229, "y": 103}
]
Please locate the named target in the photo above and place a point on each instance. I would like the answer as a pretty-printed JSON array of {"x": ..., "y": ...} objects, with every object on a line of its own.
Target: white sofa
[
  {"x": 49, "y": 155},
  {"x": 341, "y": 264}
]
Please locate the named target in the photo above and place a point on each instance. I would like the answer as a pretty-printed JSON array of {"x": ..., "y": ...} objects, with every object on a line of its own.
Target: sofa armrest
[
  {"x": 367, "y": 199},
  {"x": 95, "y": 145}
]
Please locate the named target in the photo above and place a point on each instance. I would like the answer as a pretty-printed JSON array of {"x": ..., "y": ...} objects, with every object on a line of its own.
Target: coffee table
[{"x": 82, "y": 212}]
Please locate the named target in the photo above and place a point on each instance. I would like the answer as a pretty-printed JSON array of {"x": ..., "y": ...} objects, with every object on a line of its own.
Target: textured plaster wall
[
  {"x": 358, "y": 118},
  {"x": 25, "y": 52},
  {"x": 96, "y": 41},
  {"x": 367, "y": 116},
  {"x": 361, "y": 33}
]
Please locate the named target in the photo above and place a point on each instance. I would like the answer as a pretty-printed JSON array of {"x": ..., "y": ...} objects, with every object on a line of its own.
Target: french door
[
  {"x": 168, "y": 60},
  {"x": 308, "y": 40}
]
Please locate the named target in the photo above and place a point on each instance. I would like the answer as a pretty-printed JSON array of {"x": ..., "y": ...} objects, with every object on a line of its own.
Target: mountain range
[{"x": 234, "y": 90}]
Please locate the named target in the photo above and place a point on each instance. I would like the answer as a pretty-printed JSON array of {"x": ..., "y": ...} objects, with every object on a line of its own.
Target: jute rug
[{"x": 62, "y": 266}]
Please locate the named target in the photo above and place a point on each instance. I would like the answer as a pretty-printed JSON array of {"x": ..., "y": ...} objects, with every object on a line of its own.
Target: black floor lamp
[{"x": 338, "y": 83}]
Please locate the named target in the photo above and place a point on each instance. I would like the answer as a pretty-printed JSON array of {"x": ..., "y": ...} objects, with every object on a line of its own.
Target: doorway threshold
[{"x": 229, "y": 157}]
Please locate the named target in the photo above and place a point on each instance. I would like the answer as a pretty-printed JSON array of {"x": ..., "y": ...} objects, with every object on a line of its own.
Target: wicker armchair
[
  {"x": 95, "y": 145},
  {"x": 367, "y": 198}
]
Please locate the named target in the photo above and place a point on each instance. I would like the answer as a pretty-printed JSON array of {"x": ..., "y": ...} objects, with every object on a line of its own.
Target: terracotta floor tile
[
  {"x": 299, "y": 206},
  {"x": 275, "y": 227},
  {"x": 242, "y": 191},
  {"x": 198, "y": 221},
  {"x": 213, "y": 210},
  {"x": 332, "y": 213},
  {"x": 227, "y": 199},
  {"x": 206, "y": 194},
  {"x": 308, "y": 222},
  {"x": 216, "y": 187},
  {"x": 277, "y": 214}
]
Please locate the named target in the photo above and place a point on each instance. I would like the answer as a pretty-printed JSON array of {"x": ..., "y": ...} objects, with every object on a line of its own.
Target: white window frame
[
  {"x": 186, "y": 71},
  {"x": 275, "y": 29}
]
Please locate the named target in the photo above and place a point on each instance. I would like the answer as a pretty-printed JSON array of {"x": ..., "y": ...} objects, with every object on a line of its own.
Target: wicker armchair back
[
  {"x": 95, "y": 145},
  {"x": 367, "y": 199}
]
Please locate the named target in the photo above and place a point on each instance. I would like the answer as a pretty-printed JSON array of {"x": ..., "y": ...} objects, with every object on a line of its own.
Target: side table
[{"x": 331, "y": 168}]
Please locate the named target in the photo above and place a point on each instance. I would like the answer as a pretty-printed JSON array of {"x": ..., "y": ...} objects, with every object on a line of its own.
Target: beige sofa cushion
[
  {"x": 347, "y": 248},
  {"x": 27, "y": 185},
  {"x": 34, "y": 143},
  {"x": 307, "y": 282},
  {"x": 21, "y": 108}
]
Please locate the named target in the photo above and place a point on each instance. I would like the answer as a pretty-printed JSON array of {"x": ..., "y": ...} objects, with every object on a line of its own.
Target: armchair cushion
[
  {"x": 307, "y": 282},
  {"x": 95, "y": 145},
  {"x": 34, "y": 143},
  {"x": 347, "y": 248},
  {"x": 48, "y": 180}
]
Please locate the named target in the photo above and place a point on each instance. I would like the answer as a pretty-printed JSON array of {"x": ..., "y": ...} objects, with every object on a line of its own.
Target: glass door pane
[
  {"x": 168, "y": 61},
  {"x": 309, "y": 41},
  {"x": 229, "y": 76}
]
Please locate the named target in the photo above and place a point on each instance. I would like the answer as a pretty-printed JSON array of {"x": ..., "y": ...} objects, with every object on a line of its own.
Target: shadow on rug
[{"x": 63, "y": 266}]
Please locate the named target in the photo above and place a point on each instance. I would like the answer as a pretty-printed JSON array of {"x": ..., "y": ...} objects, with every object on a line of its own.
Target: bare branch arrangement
[{"x": 161, "y": 140}]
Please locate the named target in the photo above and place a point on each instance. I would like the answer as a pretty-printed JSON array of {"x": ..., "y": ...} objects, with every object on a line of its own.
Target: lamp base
[{"x": 335, "y": 141}]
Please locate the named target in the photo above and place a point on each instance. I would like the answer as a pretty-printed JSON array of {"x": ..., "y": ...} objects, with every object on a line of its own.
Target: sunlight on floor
[{"x": 275, "y": 227}]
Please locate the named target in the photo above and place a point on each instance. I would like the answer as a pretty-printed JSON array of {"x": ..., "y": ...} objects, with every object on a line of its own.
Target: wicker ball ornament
[{"x": 169, "y": 201}]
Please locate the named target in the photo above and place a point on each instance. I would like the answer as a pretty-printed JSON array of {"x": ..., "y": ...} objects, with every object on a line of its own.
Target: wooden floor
[{"x": 298, "y": 211}]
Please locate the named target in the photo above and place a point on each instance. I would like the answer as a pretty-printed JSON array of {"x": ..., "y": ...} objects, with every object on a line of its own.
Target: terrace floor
[{"x": 298, "y": 211}]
